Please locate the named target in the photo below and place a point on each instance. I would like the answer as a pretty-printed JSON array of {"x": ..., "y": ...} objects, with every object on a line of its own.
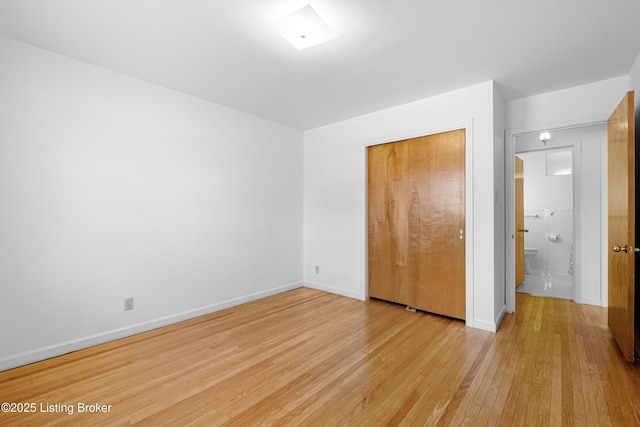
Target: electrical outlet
[
  {"x": 317, "y": 269},
  {"x": 128, "y": 304}
]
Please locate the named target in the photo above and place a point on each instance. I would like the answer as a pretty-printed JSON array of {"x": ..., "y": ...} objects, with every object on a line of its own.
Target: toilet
[{"x": 529, "y": 254}]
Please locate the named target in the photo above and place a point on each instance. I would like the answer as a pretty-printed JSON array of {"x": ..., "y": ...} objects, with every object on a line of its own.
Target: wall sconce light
[{"x": 544, "y": 137}]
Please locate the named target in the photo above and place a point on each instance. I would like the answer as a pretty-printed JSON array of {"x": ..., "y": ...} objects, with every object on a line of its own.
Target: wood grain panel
[
  {"x": 388, "y": 221},
  {"x": 417, "y": 222},
  {"x": 437, "y": 227},
  {"x": 519, "y": 234},
  {"x": 310, "y": 358},
  {"x": 621, "y": 159}
]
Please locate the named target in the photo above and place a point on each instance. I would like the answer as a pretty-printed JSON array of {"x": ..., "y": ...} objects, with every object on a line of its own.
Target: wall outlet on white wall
[{"x": 128, "y": 304}]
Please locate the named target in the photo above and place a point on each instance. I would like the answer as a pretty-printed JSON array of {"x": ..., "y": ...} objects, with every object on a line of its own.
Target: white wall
[
  {"x": 634, "y": 85},
  {"x": 335, "y": 236},
  {"x": 586, "y": 104},
  {"x": 499, "y": 205},
  {"x": 593, "y": 209},
  {"x": 112, "y": 187},
  {"x": 578, "y": 105}
]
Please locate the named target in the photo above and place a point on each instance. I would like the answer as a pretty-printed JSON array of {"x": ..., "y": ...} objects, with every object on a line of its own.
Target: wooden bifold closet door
[{"x": 416, "y": 219}]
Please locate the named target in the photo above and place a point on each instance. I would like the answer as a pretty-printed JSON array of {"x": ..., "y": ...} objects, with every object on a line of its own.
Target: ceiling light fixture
[
  {"x": 304, "y": 28},
  {"x": 544, "y": 137}
]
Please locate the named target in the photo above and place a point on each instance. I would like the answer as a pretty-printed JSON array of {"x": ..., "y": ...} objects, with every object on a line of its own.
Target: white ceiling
[{"x": 389, "y": 52}]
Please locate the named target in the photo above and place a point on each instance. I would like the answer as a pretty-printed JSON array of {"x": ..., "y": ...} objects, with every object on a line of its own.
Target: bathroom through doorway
[
  {"x": 549, "y": 254},
  {"x": 564, "y": 200}
]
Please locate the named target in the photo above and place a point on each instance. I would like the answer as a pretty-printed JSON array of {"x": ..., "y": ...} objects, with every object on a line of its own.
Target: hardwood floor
[{"x": 310, "y": 358}]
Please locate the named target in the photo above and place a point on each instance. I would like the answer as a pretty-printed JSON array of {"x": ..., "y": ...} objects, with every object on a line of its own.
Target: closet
[{"x": 416, "y": 220}]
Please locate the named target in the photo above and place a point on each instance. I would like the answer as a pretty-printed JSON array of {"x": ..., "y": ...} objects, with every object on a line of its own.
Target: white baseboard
[
  {"x": 484, "y": 325},
  {"x": 101, "y": 338},
  {"x": 590, "y": 301},
  {"x": 334, "y": 290},
  {"x": 499, "y": 317}
]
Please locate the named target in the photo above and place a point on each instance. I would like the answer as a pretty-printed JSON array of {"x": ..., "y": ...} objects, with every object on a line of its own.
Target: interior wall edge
[
  {"x": 334, "y": 290},
  {"x": 484, "y": 325},
  {"x": 501, "y": 312},
  {"x": 48, "y": 352},
  {"x": 591, "y": 301}
]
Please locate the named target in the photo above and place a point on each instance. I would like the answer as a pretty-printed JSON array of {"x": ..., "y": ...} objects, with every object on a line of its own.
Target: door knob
[
  {"x": 624, "y": 248},
  {"x": 524, "y": 230}
]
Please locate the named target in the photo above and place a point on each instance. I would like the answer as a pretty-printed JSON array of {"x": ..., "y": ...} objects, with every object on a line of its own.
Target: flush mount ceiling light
[
  {"x": 304, "y": 28},
  {"x": 545, "y": 137}
]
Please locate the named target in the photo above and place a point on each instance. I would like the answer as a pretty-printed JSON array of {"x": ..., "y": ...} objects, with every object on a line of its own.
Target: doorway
[
  {"x": 548, "y": 223},
  {"x": 579, "y": 255}
]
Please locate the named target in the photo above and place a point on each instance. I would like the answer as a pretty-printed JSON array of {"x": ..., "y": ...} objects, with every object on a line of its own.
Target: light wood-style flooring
[{"x": 310, "y": 358}]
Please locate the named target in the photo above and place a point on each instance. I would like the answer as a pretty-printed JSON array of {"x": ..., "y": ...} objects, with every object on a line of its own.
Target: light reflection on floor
[{"x": 556, "y": 286}]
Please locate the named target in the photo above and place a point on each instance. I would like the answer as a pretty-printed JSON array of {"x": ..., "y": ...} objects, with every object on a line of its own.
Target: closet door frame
[{"x": 469, "y": 212}]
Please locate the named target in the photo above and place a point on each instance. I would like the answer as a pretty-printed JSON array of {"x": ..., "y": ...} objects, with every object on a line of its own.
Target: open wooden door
[
  {"x": 621, "y": 154},
  {"x": 519, "y": 189}
]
